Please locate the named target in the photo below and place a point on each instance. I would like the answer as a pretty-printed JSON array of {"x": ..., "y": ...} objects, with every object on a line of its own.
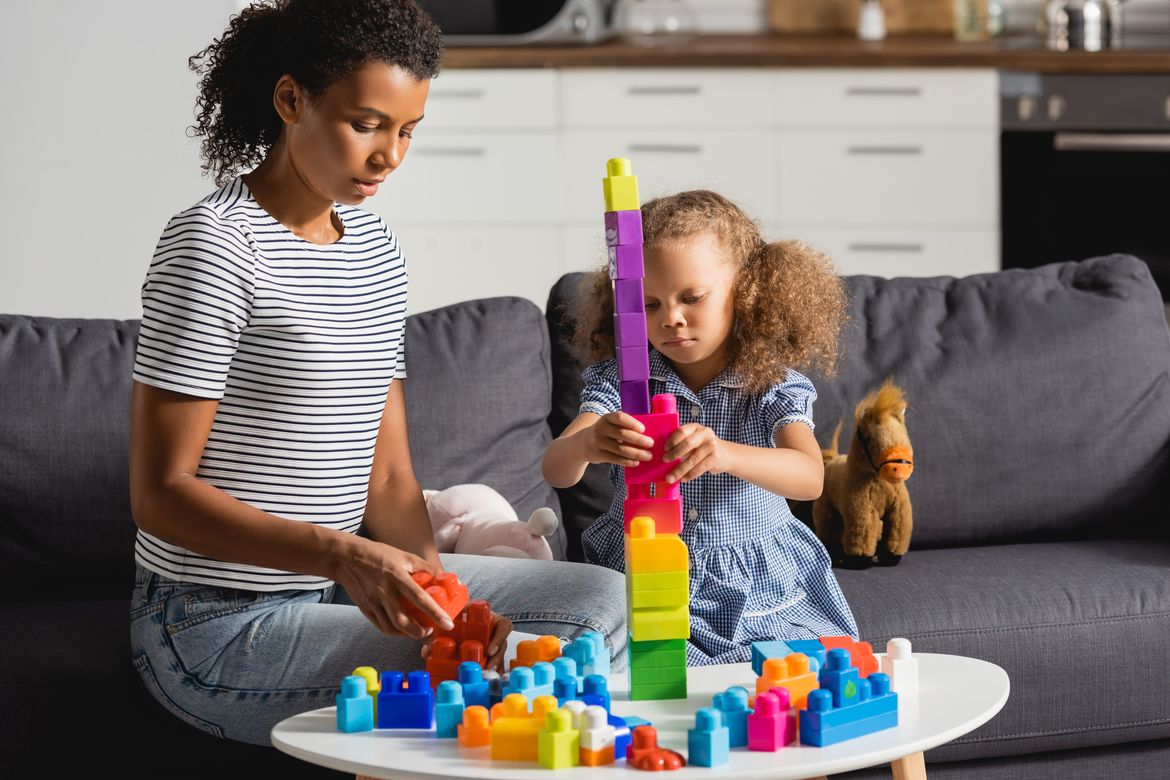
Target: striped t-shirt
[{"x": 298, "y": 341}]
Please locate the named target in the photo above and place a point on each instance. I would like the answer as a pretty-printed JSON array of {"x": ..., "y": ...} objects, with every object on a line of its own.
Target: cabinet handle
[
  {"x": 681, "y": 89},
  {"x": 883, "y": 91},
  {"x": 1111, "y": 142},
  {"x": 450, "y": 151},
  {"x": 884, "y": 247},
  {"x": 903, "y": 150},
  {"x": 665, "y": 148},
  {"x": 459, "y": 94}
]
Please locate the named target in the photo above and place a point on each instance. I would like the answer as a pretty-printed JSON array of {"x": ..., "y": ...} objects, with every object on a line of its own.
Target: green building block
[
  {"x": 559, "y": 744},
  {"x": 654, "y": 624},
  {"x": 654, "y": 691}
]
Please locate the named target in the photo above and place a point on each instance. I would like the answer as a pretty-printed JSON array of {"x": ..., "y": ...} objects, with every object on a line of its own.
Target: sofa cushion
[
  {"x": 1082, "y": 629},
  {"x": 1039, "y": 399}
]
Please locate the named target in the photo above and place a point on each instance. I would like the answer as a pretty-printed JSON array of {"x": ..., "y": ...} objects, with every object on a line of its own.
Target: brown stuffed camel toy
[{"x": 863, "y": 513}]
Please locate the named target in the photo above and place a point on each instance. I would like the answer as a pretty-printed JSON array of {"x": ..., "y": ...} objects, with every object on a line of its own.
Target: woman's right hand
[
  {"x": 616, "y": 438},
  {"x": 377, "y": 578}
]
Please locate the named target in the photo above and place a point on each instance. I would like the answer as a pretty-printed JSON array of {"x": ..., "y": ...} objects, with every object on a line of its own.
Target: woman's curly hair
[
  {"x": 317, "y": 42},
  {"x": 789, "y": 301}
]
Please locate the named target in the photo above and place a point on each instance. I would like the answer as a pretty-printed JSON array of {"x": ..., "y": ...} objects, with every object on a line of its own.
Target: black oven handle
[{"x": 1111, "y": 142}]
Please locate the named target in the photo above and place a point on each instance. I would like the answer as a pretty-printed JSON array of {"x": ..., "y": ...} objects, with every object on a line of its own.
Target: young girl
[
  {"x": 728, "y": 317},
  {"x": 268, "y": 415}
]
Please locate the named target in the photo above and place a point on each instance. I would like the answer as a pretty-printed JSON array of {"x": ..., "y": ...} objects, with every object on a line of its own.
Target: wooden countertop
[{"x": 820, "y": 51}]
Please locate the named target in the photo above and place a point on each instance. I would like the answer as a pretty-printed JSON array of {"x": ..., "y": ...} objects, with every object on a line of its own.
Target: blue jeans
[{"x": 234, "y": 663}]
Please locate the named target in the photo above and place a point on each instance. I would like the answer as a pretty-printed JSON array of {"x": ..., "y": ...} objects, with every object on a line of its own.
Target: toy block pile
[{"x": 657, "y": 564}]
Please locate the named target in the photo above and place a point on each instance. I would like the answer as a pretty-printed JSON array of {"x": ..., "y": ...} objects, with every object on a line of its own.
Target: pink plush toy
[{"x": 476, "y": 520}]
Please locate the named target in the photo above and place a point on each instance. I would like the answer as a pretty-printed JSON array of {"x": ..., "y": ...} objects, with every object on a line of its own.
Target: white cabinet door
[
  {"x": 858, "y": 177},
  {"x": 584, "y": 247},
  {"x": 889, "y": 253},
  {"x": 452, "y": 264},
  {"x": 484, "y": 178},
  {"x": 467, "y": 101},
  {"x": 735, "y": 163},
  {"x": 886, "y": 97},
  {"x": 665, "y": 97}
]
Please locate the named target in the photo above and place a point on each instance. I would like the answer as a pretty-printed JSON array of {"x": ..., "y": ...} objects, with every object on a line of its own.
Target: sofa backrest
[
  {"x": 477, "y": 401},
  {"x": 1039, "y": 399}
]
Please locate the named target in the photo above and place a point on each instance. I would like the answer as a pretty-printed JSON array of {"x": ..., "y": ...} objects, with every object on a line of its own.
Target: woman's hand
[
  {"x": 616, "y": 438},
  {"x": 701, "y": 452},
  {"x": 497, "y": 645},
  {"x": 377, "y": 578}
]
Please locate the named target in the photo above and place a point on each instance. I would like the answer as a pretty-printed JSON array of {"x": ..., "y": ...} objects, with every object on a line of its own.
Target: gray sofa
[{"x": 1040, "y": 416}]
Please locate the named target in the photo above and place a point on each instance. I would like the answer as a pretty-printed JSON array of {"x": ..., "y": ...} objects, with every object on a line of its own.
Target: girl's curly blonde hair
[{"x": 789, "y": 301}]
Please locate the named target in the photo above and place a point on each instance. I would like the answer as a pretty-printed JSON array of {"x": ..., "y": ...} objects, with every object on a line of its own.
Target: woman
[{"x": 268, "y": 420}]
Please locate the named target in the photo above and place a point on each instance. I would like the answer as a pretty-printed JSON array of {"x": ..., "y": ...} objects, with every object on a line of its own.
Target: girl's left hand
[
  {"x": 701, "y": 450},
  {"x": 497, "y": 645}
]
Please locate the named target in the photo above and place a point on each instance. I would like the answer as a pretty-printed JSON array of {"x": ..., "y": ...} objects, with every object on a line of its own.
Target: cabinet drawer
[
  {"x": 889, "y": 253},
  {"x": 889, "y": 178},
  {"x": 662, "y": 97},
  {"x": 451, "y": 264},
  {"x": 735, "y": 164},
  {"x": 467, "y": 100},
  {"x": 480, "y": 178},
  {"x": 886, "y": 97}
]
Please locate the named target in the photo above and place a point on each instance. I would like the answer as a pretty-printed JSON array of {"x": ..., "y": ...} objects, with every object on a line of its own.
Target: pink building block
[
  {"x": 629, "y": 297},
  {"x": 773, "y": 723},
  {"x": 625, "y": 262},
  {"x": 634, "y": 365},
  {"x": 629, "y": 330},
  {"x": 666, "y": 513},
  {"x": 660, "y": 423},
  {"x": 623, "y": 227}
]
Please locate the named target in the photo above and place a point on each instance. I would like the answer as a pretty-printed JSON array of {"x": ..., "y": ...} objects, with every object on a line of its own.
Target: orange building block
[
  {"x": 475, "y": 730},
  {"x": 447, "y": 591},
  {"x": 860, "y": 653},
  {"x": 597, "y": 757},
  {"x": 790, "y": 672}
]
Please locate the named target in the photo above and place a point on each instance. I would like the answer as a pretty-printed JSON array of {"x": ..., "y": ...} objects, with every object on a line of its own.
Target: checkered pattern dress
[{"x": 757, "y": 572}]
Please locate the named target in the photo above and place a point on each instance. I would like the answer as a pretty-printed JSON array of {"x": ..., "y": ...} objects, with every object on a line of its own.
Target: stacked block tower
[{"x": 657, "y": 563}]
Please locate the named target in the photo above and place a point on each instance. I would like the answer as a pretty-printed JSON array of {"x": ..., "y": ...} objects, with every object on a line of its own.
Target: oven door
[{"x": 1068, "y": 195}]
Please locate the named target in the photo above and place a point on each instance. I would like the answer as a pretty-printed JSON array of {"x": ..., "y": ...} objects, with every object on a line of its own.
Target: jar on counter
[{"x": 971, "y": 20}]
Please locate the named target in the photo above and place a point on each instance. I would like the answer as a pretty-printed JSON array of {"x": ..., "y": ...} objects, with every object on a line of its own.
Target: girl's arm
[
  {"x": 615, "y": 438},
  {"x": 564, "y": 461}
]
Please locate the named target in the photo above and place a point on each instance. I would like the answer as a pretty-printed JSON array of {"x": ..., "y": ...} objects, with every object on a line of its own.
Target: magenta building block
[
  {"x": 636, "y": 397},
  {"x": 623, "y": 227},
  {"x": 628, "y": 297},
  {"x": 660, "y": 423},
  {"x": 634, "y": 364},
  {"x": 625, "y": 262},
  {"x": 772, "y": 725},
  {"x": 629, "y": 330}
]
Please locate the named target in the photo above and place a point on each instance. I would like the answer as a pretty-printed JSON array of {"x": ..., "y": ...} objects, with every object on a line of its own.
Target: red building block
[
  {"x": 644, "y": 753},
  {"x": 860, "y": 653},
  {"x": 474, "y": 623},
  {"x": 447, "y": 591},
  {"x": 443, "y": 662}
]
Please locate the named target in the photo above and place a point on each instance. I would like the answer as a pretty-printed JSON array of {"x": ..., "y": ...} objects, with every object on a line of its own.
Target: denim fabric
[{"x": 234, "y": 663}]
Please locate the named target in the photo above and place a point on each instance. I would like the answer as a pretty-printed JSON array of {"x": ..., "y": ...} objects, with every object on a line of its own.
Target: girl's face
[
  {"x": 359, "y": 130},
  {"x": 689, "y": 289}
]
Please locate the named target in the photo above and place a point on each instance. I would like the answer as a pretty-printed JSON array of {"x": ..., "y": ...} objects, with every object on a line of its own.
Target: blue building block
[
  {"x": 596, "y": 691},
  {"x": 810, "y": 647},
  {"x": 709, "y": 742},
  {"x": 543, "y": 674},
  {"x": 633, "y": 722},
  {"x": 565, "y": 668},
  {"x": 475, "y": 688},
  {"x": 449, "y": 706},
  {"x": 582, "y": 651},
  {"x": 600, "y": 663},
  {"x": 521, "y": 680},
  {"x": 565, "y": 689},
  {"x": 823, "y": 724},
  {"x": 733, "y": 703},
  {"x": 355, "y": 706},
  {"x": 841, "y": 678},
  {"x": 762, "y": 651},
  {"x": 621, "y": 735},
  {"x": 409, "y": 707}
]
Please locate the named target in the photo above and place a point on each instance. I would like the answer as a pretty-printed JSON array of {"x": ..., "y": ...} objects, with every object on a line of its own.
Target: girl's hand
[
  {"x": 497, "y": 645},
  {"x": 377, "y": 578},
  {"x": 701, "y": 452},
  {"x": 616, "y": 438}
]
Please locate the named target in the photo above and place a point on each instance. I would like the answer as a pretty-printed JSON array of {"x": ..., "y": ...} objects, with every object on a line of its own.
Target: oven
[{"x": 1085, "y": 169}]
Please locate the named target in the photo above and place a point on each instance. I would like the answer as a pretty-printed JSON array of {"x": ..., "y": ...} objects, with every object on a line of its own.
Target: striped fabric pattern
[{"x": 299, "y": 342}]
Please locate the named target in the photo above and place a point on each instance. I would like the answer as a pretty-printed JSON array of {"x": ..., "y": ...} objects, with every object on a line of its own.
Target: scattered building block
[
  {"x": 558, "y": 743},
  {"x": 355, "y": 707},
  {"x": 790, "y": 672},
  {"x": 733, "y": 703},
  {"x": 810, "y": 647},
  {"x": 860, "y": 653},
  {"x": 644, "y": 752},
  {"x": 762, "y": 651},
  {"x": 473, "y": 624},
  {"x": 444, "y": 660},
  {"x": 900, "y": 665},
  {"x": 449, "y": 706},
  {"x": 373, "y": 684},
  {"x": 772, "y": 724},
  {"x": 709, "y": 742},
  {"x": 822, "y": 723},
  {"x": 596, "y": 691},
  {"x": 840, "y": 678},
  {"x": 475, "y": 687},
  {"x": 447, "y": 591},
  {"x": 475, "y": 730},
  {"x": 406, "y": 705},
  {"x": 598, "y": 737}
]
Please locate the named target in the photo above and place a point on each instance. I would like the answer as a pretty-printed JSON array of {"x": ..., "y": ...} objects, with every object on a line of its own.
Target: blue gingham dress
[{"x": 757, "y": 572}]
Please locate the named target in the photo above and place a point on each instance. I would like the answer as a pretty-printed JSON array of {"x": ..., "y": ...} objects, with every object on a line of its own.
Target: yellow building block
[
  {"x": 648, "y": 552},
  {"x": 515, "y": 730},
  {"x": 559, "y": 744},
  {"x": 658, "y": 590},
  {"x": 620, "y": 186},
  {"x": 373, "y": 684},
  {"x": 789, "y": 672}
]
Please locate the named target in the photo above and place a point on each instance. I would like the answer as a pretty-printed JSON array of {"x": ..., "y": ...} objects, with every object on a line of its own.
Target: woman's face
[{"x": 359, "y": 130}]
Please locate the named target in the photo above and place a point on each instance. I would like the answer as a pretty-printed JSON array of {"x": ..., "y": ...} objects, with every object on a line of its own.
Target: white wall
[{"x": 95, "y": 98}]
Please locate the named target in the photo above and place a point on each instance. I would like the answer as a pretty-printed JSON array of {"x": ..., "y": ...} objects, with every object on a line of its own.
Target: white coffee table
[{"x": 956, "y": 695}]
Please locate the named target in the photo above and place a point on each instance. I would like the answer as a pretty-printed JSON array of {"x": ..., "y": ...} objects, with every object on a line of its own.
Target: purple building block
[
  {"x": 625, "y": 262},
  {"x": 636, "y": 397},
  {"x": 623, "y": 227},
  {"x": 633, "y": 363},
  {"x": 629, "y": 330},
  {"x": 628, "y": 297}
]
